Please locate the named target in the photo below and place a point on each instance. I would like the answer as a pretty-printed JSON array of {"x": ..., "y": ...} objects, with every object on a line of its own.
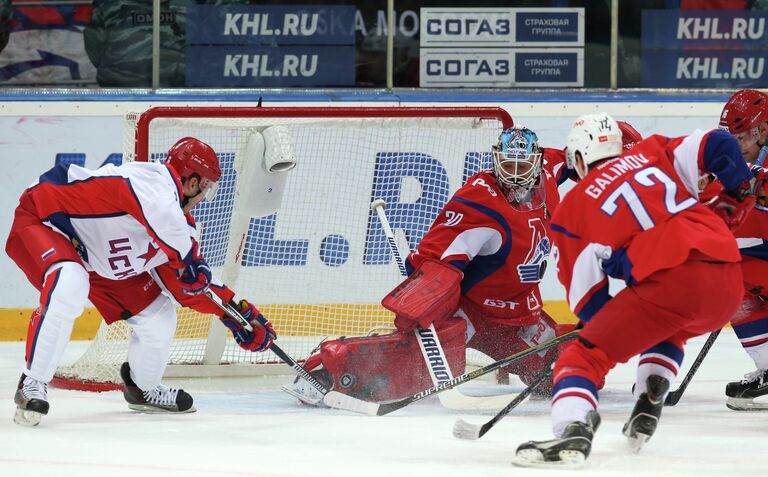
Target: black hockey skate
[
  {"x": 31, "y": 401},
  {"x": 645, "y": 416},
  {"x": 742, "y": 394},
  {"x": 160, "y": 399},
  {"x": 567, "y": 452}
]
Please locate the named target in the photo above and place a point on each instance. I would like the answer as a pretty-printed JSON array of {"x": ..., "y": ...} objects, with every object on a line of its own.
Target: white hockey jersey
[{"x": 123, "y": 220}]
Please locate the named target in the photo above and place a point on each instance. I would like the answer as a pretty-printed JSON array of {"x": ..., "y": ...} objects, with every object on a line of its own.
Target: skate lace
[
  {"x": 161, "y": 395},
  {"x": 758, "y": 375},
  {"x": 34, "y": 389}
]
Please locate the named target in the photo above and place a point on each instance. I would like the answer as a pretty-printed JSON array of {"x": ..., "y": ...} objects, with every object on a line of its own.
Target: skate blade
[
  {"x": 569, "y": 459},
  {"x": 26, "y": 418},
  {"x": 745, "y": 404},
  {"x": 147, "y": 409},
  {"x": 637, "y": 442}
]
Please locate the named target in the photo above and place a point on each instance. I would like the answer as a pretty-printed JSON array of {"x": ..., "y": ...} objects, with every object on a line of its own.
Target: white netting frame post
[{"x": 442, "y": 125}]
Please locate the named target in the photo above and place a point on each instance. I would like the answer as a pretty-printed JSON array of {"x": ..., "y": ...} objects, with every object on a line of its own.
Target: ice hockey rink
[{"x": 253, "y": 428}]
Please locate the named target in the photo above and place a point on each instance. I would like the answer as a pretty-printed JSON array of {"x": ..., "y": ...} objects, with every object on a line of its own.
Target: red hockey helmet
[
  {"x": 744, "y": 111},
  {"x": 629, "y": 135},
  {"x": 192, "y": 156}
]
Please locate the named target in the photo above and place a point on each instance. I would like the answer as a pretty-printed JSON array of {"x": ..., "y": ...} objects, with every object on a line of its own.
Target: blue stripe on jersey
[
  {"x": 563, "y": 230},
  {"x": 566, "y": 174},
  {"x": 63, "y": 222},
  {"x": 669, "y": 350},
  {"x": 460, "y": 264},
  {"x": 757, "y": 251},
  {"x": 58, "y": 174},
  {"x": 599, "y": 298},
  {"x": 481, "y": 267},
  {"x": 722, "y": 157}
]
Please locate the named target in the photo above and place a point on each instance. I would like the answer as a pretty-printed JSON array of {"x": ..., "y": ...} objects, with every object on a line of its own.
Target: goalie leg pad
[
  {"x": 429, "y": 295},
  {"x": 499, "y": 340},
  {"x": 381, "y": 368}
]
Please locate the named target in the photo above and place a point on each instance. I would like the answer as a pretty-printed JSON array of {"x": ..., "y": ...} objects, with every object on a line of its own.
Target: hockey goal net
[{"x": 301, "y": 242}]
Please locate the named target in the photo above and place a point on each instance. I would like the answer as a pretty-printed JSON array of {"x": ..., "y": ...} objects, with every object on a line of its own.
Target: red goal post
[{"x": 301, "y": 242}]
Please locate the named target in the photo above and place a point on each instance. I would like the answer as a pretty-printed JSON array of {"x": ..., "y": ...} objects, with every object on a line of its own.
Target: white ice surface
[{"x": 258, "y": 430}]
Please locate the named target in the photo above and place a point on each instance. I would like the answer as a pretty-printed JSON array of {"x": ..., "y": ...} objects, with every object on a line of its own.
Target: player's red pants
[{"x": 670, "y": 306}]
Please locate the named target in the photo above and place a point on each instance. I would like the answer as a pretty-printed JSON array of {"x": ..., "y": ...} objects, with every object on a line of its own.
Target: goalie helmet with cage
[
  {"x": 190, "y": 156},
  {"x": 517, "y": 163}
]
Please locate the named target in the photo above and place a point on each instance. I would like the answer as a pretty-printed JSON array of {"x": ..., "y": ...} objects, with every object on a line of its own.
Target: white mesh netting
[{"x": 320, "y": 264}]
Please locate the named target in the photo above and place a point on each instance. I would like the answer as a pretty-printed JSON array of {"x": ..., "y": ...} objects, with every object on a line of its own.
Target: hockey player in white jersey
[{"x": 123, "y": 237}]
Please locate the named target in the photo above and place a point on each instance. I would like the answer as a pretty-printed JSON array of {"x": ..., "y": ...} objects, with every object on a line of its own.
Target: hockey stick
[
  {"x": 345, "y": 402},
  {"x": 386, "y": 408},
  {"x": 465, "y": 430},
  {"x": 430, "y": 346},
  {"x": 674, "y": 396}
]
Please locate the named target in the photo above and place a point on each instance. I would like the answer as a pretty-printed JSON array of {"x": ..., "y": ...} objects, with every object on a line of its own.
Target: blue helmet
[{"x": 517, "y": 162}]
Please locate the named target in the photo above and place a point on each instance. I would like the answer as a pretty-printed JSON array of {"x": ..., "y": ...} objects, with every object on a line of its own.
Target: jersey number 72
[{"x": 647, "y": 177}]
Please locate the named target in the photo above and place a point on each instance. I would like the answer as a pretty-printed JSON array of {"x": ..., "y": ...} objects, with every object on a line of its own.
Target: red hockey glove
[
  {"x": 260, "y": 339},
  {"x": 732, "y": 208},
  {"x": 431, "y": 293},
  {"x": 196, "y": 274}
]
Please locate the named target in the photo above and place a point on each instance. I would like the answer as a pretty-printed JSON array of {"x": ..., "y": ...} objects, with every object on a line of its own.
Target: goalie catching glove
[
  {"x": 429, "y": 295},
  {"x": 263, "y": 333}
]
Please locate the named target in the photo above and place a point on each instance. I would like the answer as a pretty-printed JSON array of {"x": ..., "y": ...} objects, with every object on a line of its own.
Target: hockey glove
[
  {"x": 263, "y": 333},
  {"x": 196, "y": 274},
  {"x": 732, "y": 207}
]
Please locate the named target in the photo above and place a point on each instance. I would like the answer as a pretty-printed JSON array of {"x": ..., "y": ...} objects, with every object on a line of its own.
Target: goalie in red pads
[
  {"x": 115, "y": 235},
  {"x": 475, "y": 275}
]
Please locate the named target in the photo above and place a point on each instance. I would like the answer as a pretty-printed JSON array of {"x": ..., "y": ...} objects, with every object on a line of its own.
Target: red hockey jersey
[
  {"x": 639, "y": 213},
  {"x": 502, "y": 251}
]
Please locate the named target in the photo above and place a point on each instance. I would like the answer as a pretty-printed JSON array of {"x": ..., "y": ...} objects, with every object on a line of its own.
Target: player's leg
[
  {"x": 51, "y": 264},
  {"x": 62, "y": 300},
  {"x": 148, "y": 350},
  {"x": 139, "y": 303},
  {"x": 751, "y": 326},
  {"x": 636, "y": 319},
  {"x": 658, "y": 366}
]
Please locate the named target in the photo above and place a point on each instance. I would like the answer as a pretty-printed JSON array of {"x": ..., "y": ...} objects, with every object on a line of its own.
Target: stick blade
[
  {"x": 466, "y": 430},
  {"x": 338, "y": 400},
  {"x": 672, "y": 399}
]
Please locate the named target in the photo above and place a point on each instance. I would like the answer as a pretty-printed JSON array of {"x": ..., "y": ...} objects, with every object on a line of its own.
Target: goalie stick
[
  {"x": 674, "y": 396},
  {"x": 346, "y": 402},
  {"x": 430, "y": 344},
  {"x": 374, "y": 409}
]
